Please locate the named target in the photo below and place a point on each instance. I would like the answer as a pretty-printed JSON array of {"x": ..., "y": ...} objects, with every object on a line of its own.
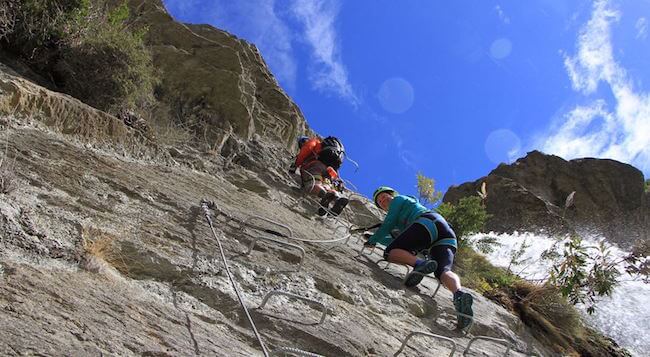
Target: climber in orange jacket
[{"x": 318, "y": 161}]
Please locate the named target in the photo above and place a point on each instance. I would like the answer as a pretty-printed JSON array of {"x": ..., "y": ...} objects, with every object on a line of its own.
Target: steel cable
[{"x": 206, "y": 205}]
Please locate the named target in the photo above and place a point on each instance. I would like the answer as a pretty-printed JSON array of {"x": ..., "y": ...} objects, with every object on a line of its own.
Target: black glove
[
  {"x": 292, "y": 169},
  {"x": 367, "y": 236},
  {"x": 368, "y": 244}
]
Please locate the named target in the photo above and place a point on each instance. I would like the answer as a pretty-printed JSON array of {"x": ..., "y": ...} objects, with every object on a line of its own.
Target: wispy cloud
[
  {"x": 271, "y": 28},
  {"x": 329, "y": 74},
  {"x": 502, "y": 14},
  {"x": 641, "y": 28},
  {"x": 181, "y": 8},
  {"x": 621, "y": 133},
  {"x": 407, "y": 157}
]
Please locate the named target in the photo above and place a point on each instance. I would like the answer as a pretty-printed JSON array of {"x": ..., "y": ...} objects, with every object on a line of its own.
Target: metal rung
[
  {"x": 250, "y": 221},
  {"x": 440, "y": 337},
  {"x": 301, "y": 249},
  {"x": 294, "y": 351},
  {"x": 278, "y": 292},
  {"x": 486, "y": 338}
]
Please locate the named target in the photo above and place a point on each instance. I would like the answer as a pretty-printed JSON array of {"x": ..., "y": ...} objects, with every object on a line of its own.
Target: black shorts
[{"x": 415, "y": 239}]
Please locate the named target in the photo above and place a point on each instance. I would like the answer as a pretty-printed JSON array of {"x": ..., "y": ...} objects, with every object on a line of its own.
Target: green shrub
[
  {"x": 585, "y": 272},
  {"x": 647, "y": 185},
  {"x": 466, "y": 217},
  {"x": 38, "y": 28},
  {"x": 86, "y": 49},
  {"x": 479, "y": 274},
  {"x": 127, "y": 77}
]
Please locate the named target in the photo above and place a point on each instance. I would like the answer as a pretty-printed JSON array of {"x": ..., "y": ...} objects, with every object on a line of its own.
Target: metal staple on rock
[
  {"x": 206, "y": 205},
  {"x": 487, "y": 338},
  {"x": 247, "y": 223}
]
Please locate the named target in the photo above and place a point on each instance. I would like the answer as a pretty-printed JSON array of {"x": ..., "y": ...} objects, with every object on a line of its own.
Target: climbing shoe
[
  {"x": 339, "y": 205},
  {"x": 325, "y": 202},
  {"x": 418, "y": 273},
  {"x": 463, "y": 304}
]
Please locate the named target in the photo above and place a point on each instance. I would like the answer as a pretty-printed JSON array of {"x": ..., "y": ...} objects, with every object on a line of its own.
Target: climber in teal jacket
[
  {"x": 404, "y": 211},
  {"x": 420, "y": 230}
]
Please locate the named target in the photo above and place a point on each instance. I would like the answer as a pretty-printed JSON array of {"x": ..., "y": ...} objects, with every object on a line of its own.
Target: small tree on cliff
[
  {"x": 466, "y": 217},
  {"x": 584, "y": 272},
  {"x": 427, "y": 190},
  {"x": 86, "y": 48}
]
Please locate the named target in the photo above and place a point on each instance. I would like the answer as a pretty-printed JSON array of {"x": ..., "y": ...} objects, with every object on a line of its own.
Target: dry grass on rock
[{"x": 101, "y": 254}]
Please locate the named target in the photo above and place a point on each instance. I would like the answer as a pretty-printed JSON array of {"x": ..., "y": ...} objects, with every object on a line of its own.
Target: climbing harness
[{"x": 206, "y": 205}]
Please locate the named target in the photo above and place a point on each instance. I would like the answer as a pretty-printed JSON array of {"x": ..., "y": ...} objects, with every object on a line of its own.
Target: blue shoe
[
  {"x": 463, "y": 304},
  {"x": 418, "y": 273}
]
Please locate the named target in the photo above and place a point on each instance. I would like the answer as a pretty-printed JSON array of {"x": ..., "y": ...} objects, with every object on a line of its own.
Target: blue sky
[{"x": 452, "y": 88}]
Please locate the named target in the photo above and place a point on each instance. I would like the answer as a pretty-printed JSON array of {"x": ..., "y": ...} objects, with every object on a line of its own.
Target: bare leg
[
  {"x": 401, "y": 256},
  {"x": 450, "y": 280}
]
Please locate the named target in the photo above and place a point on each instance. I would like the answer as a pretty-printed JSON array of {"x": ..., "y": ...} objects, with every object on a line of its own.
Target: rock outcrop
[
  {"x": 215, "y": 83},
  {"x": 531, "y": 194}
]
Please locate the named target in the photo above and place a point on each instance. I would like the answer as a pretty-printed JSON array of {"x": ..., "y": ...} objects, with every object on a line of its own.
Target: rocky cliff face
[
  {"x": 530, "y": 194},
  {"x": 216, "y": 84},
  {"x": 105, "y": 249}
]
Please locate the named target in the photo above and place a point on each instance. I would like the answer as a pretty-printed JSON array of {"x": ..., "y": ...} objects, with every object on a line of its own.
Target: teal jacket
[{"x": 402, "y": 212}]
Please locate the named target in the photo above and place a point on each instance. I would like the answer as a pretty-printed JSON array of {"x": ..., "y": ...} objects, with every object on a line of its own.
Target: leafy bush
[
  {"x": 586, "y": 272},
  {"x": 37, "y": 28},
  {"x": 647, "y": 185},
  {"x": 466, "y": 217},
  {"x": 479, "y": 274},
  {"x": 86, "y": 49}
]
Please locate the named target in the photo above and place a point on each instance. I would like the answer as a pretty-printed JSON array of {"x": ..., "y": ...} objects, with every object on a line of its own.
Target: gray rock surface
[{"x": 105, "y": 251}]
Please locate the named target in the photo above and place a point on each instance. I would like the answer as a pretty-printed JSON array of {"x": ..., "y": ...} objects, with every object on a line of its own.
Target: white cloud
[
  {"x": 318, "y": 18},
  {"x": 502, "y": 15},
  {"x": 621, "y": 133},
  {"x": 266, "y": 24},
  {"x": 641, "y": 28},
  {"x": 407, "y": 157}
]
